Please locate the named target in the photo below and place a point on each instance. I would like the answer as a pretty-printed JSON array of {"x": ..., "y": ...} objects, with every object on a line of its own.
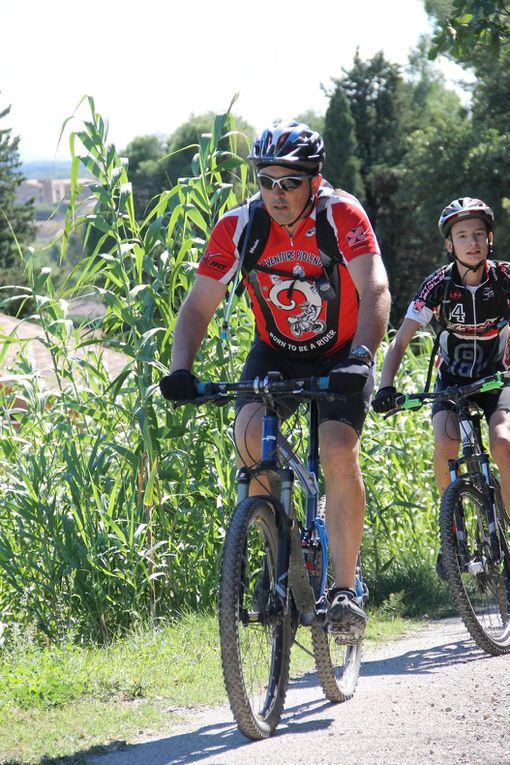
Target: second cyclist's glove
[
  {"x": 385, "y": 399},
  {"x": 349, "y": 377},
  {"x": 179, "y": 386}
]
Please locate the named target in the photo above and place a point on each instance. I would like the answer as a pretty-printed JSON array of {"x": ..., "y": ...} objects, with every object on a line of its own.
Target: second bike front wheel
[
  {"x": 255, "y": 625},
  {"x": 479, "y": 585}
]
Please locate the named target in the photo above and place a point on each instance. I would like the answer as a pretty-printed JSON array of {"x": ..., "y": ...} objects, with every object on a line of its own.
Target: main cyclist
[
  {"x": 310, "y": 320},
  {"x": 471, "y": 297}
]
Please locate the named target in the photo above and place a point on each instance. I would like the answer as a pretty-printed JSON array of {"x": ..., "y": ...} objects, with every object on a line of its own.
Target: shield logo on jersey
[{"x": 299, "y": 311}]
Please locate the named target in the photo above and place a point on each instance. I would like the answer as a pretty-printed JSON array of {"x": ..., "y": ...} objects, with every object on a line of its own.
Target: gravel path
[{"x": 432, "y": 698}]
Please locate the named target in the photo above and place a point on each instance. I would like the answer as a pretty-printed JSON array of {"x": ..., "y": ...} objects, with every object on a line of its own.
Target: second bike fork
[{"x": 467, "y": 431}]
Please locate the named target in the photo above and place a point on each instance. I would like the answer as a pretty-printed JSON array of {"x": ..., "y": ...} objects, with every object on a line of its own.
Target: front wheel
[
  {"x": 480, "y": 586},
  {"x": 255, "y": 622}
]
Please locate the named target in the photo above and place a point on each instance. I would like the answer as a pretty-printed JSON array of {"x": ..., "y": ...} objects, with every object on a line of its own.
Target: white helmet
[{"x": 465, "y": 207}]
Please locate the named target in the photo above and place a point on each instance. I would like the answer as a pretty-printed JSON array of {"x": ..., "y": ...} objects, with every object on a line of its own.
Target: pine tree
[
  {"x": 342, "y": 166},
  {"x": 16, "y": 220}
]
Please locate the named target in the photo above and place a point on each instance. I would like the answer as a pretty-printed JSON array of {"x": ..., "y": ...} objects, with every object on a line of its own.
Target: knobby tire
[
  {"x": 338, "y": 666},
  {"x": 255, "y": 628},
  {"x": 481, "y": 594}
]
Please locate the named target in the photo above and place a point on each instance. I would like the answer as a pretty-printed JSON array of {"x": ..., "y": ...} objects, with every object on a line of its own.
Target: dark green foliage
[
  {"x": 312, "y": 119},
  {"x": 342, "y": 166},
  {"x": 417, "y": 148},
  {"x": 409, "y": 587},
  {"x": 16, "y": 220},
  {"x": 156, "y": 163},
  {"x": 375, "y": 96},
  {"x": 470, "y": 30}
]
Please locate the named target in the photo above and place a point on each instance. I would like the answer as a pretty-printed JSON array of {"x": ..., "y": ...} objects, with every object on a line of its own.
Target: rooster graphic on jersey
[{"x": 283, "y": 296}]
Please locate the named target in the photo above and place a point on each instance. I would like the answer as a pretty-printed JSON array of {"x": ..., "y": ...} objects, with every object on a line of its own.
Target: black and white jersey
[{"x": 473, "y": 319}]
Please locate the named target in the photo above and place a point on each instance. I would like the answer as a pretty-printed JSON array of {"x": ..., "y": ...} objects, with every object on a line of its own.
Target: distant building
[{"x": 47, "y": 191}]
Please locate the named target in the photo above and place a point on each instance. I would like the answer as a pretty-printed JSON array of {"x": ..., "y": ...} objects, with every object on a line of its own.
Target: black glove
[
  {"x": 179, "y": 386},
  {"x": 385, "y": 399},
  {"x": 349, "y": 377}
]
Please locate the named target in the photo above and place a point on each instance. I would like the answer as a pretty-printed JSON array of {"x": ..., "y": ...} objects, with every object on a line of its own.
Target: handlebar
[
  {"x": 264, "y": 387},
  {"x": 267, "y": 384},
  {"x": 453, "y": 393}
]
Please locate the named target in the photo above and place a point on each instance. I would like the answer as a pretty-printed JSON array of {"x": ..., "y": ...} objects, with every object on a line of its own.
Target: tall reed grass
[{"x": 113, "y": 505}]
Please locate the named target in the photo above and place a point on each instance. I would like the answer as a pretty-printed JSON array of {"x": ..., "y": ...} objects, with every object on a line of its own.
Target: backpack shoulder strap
[
  {"x": 255, "y": 234},
  {"x": 501, "y": 275},
  {"x": 327, "y": 241},
  {"x": 445, "y": 300}
]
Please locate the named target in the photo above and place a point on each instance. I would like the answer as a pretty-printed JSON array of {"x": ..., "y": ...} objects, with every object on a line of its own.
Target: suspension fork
[
  {"x": 312, "y": 500},
  {"x": 490, "y": 501}
]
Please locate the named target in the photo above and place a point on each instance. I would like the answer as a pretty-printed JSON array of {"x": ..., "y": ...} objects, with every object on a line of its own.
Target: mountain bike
[
  {"x": 275, "y": 569},
  {"x": 474, "y": 523}
]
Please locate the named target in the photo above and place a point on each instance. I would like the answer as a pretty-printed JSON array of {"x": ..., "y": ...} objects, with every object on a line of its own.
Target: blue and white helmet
[
  {"x": 465, "y": 207},
  {"x": 289, "y": 143}
]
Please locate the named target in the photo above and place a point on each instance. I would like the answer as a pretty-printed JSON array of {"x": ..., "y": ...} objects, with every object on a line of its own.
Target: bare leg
[
  {"x": 248, "y": 431},
  {"x": 499, "y": 431},
  {"x": 446, "y": 445},
  {"x": 345, "y": 497}
]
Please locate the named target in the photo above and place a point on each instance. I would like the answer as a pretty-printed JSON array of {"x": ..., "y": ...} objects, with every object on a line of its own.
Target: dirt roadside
[
  {"x": 29, "y": 336},
  {"x": 433, "y": 698}
]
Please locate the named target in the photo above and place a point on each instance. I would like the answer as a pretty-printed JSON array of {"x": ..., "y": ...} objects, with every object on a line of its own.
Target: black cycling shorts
[
  {"x": 489, "y": 402},
  {"x": 351, "y": 409}
]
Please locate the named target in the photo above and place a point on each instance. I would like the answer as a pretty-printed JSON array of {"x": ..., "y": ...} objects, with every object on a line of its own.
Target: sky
[{"x": 150, "y": 64}]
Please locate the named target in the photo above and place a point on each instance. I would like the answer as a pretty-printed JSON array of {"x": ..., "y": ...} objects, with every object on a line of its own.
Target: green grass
[{"x": 58, "y": 702}]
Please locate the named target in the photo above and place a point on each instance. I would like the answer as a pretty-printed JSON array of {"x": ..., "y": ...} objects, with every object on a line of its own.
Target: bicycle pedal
[{"x": 346, "y": 638}]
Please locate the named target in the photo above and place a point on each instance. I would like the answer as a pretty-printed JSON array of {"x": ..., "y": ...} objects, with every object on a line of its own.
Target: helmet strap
[
  {"x": 466, "y": 265},
  {"x": 309, "y": 201}
]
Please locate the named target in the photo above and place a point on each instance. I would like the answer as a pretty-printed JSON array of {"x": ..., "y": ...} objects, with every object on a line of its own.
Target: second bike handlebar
[{"x": 453, "y": 393}]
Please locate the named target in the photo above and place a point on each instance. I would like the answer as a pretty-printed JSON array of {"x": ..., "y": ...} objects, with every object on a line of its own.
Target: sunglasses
[{"x": 287, "y": 183}]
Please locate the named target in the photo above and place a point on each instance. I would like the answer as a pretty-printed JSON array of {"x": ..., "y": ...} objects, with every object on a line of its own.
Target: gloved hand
[
  {"x": 179, "y": 385},
  {"x": 385, "y": 399},
  {"x": 349, "y": 377}
]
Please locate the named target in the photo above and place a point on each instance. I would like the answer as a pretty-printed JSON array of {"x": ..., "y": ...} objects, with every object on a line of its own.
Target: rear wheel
[
  {"x": 480, "y": 586},
  {"x": 255, "y": 625},
  {"x": 338, "y": 664}
]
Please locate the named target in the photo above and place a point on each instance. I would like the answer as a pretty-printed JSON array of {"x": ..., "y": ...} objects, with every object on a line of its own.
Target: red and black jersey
[
  {"x": 473, "y": 319},
  {"x": 291, "y": 314}
]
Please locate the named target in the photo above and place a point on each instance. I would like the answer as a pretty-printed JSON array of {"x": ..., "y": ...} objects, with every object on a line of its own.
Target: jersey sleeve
[
  {"x": 221, "y": 255},
  {"x": 428, "y": 298},
  {"x": 504, "y": 267},
  {"x": 353, "y": 229}
]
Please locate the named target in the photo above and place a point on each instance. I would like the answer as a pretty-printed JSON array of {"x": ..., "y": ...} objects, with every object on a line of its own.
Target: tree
[
  {"x": 311, "y": 118},
  {"x": 376, "y": 94},
  {"x": 342, "y": 166},
  {"x": 417, "y": 150},
  {"x": 469, "y": 29},
  {"x": 157, "y": 163},
  {"x": 182, "y": 144},
  {"x": 16, "y": 220},
  {"x": 145, "y": 169}
]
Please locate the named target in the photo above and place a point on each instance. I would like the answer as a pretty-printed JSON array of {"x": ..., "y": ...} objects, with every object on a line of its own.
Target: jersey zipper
[{"x": 474, "y": 338}]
